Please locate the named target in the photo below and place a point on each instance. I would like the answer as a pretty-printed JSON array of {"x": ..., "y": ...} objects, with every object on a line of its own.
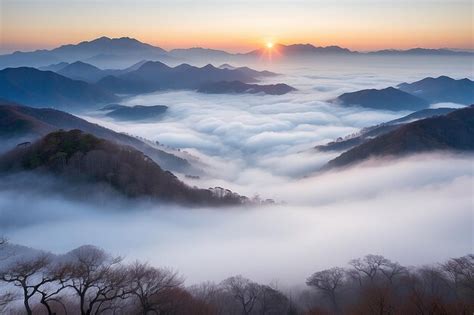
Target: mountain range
[
  {"x": 48, "y": 89},
  {"x": 107, "y": 52},
  {"x": 389, "y": 98},
  {"x": 413, "y": 96},
  {"x": 137, "y": 112},
  {"x": 155, "y": 75},
  {"x": 237, "y": 87},
  {"x": 301, "y": 50},
  {"x": 442, "y": 89},
  {"x": 445, "y": 133},
  {"x": 126, "y": 49},
  {"x": 86, "y": 72},
  {"x": 78, "y": 157},
  {"x": 368, "y": 133},
  {"x": 65, "y": 90},
  {"x": 26, "y": 124}
]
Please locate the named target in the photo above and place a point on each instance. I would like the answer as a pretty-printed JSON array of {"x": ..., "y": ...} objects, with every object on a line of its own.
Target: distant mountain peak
[
  {"x": 153, "y": 65},
  {"x": 226, "y": 66},
  {"x": 100, "y": 39},
  {"x": 82, "y": 64},
  {"x": 208, "y": 67}
]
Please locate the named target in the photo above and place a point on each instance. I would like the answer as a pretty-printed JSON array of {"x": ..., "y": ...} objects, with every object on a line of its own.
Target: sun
[{"x": 269, "y": 45}]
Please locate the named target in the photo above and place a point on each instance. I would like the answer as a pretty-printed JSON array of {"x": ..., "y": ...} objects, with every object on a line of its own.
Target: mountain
[
  {"x": 78, "y": 157},
  {"x": 83, "y": 71},
  {"x": 17, "y": 127},
  {"x": 421, "y": 114},
  {"x": 421, "y": 52},
  {"x": 248, "y": 71},
  {"x": 116, "y": 53},
  {"x": 105, "y": 45},
  {"x": 343, "y": 144},
  {"x": 137, "y": 112},
  {"x": 45, "y": 88},
  {"x": 155, "y": 75},
  {"x": 36, "y": 58},
  {"x": 22, "y": 123},
  {"x": 388, "y": 99},
  {"x": 452, "y": 132},
  {"x": 124, "y": 50},
  {"x": 54, "y": 67},
  {"x": 227, "y": 66},
  {"x": 135, "y": 66},
  {"x": 301, "y": 50},
  {"x": 199, "y": 53},
  {"x": 237, "y": 87},
  {"x": 86, "y": 72},
  {"x": 442, "y": 89}
]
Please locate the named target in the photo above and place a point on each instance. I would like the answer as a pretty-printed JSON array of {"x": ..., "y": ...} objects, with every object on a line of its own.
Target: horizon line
[{"x": 168, "y": 49}]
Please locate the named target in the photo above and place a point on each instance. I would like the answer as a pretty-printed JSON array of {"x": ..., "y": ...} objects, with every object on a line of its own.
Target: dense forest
[
  {"x": 87, "y": 280},
  {"x": 81, "y": 157}
]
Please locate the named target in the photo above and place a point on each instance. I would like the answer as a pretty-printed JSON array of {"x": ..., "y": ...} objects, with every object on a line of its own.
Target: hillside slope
[
  {"x": 28, "y": 124},
  {"x": 453, "y": 132},
  {"x": 79, "y": 157},
  {"x": 45, "y": 88}
]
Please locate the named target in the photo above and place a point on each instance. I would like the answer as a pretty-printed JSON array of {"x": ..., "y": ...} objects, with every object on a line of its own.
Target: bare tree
[
  {"x": 272, "y": 301},
  {"x": 147, "y": 283},
  {"x": 32, "y": 277},
  {"x": 391, "y": 270},
  {"x": 328, "y": 282},
  {"x": 461, "y": 271},
  {"x": 96, "y": 278},
  {"x": 367, "y": 267},
  {"x": 213, "y": 295},
  {"x": 206, "y": 291},
  {"x": 244, "y": 291}
]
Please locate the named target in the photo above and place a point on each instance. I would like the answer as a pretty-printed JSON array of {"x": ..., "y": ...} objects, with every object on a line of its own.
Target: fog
[{"x": 415, "y": 210}]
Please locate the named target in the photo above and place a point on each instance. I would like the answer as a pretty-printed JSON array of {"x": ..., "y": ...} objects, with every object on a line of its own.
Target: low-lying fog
[{"x": 415, "y": 210}]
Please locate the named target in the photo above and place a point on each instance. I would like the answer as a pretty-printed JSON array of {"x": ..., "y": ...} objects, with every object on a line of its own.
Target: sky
[{"x": 239, "y": 25}]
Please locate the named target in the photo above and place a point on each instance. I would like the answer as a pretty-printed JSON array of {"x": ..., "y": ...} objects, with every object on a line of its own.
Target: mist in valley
[{"x": 415, "y": 210}]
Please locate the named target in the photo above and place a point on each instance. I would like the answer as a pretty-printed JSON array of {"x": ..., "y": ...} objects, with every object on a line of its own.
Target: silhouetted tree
[
  {"x": 366, "y": 267},
  {"x": 328, "y": 282},
  {"x": 32, "y": 276},
  {"x": 149, "y": 285},
  {"x": 96, "y": 278},
  {"x": 391, "y": 270},
  {"x": 244, "y": 291},
  {"x": 272, "y": 301}
]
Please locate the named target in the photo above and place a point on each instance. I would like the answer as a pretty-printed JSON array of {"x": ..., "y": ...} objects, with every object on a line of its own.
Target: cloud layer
[{"x": 416, "y": 210}]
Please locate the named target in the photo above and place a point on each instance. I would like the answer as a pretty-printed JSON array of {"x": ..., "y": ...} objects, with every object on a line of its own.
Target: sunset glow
[
  {"x": 236, "y": 156},
  {"x": 357, "y": 25}
]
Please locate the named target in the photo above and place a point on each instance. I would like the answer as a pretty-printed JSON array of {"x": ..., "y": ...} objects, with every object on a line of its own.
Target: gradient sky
[{"x": 239, "y": 25}]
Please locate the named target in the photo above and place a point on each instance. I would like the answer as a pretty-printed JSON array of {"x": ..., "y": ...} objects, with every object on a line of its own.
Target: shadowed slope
[
  {"x": 30, "y": 123},
  {"x": 77, "y": 156},
  {"x": 453, "y": 132}
]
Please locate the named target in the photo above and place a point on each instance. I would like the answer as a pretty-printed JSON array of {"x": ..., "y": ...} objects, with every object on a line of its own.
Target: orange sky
[{"x": 239, "y": 25}]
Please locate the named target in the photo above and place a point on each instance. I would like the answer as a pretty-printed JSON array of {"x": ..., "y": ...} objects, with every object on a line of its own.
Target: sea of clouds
[{"x": 415, "y": 210}]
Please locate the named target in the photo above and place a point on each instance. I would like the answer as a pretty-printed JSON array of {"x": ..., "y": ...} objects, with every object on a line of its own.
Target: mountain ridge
[
  {"x": 132, "y": 50},
  {"x": 34, "y": 87},
  {"x": 28, "y": 124},
  {"x": 451, "y": 132},
  {"x": 79, "y": 157}
]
